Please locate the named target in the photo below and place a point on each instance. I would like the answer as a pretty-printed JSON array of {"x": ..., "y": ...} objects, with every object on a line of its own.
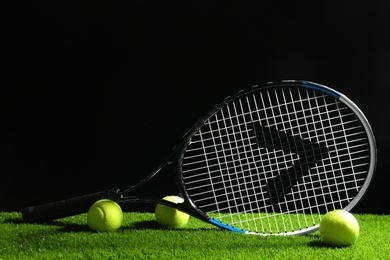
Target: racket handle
[{"x": 66, "y": 208}]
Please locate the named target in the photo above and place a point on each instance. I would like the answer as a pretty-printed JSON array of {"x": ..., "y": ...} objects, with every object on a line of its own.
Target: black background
[{"x": 95, "y": 94}]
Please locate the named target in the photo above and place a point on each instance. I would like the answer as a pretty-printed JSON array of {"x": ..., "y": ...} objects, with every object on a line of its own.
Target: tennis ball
[
  {"x": 170, "y": 217},
  {"x": 105, "y": 216},
  {"x": 339, "y": 228}
]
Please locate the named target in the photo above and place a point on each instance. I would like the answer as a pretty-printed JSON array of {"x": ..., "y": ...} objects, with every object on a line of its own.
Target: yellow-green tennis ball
[
  {"x": 170, "y": 217},
  {"x": 339, "y": 228},
  {"x": 105, "y": 216}
]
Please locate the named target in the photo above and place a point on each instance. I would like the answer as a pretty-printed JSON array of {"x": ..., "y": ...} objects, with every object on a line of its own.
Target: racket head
[{"x": 273, "y": 159}]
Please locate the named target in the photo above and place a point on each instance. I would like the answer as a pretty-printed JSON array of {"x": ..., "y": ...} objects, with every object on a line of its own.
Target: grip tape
[{"x": 66, "y": 208}]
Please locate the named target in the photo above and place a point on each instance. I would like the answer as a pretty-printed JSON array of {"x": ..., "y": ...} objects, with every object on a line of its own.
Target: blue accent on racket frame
[
  {"x": 224, "y": 226},
  {"x": 328, "y": 91}
]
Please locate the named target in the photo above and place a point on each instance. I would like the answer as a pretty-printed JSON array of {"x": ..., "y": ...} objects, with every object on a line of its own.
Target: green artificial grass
[{"x": 140, "y": 237}]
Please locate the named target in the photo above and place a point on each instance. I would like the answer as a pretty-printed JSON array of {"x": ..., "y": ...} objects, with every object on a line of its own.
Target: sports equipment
[
  {"x": 269, "y": 160},
  {"x": 168, "y": 216},
  {"x": 105, "y": 215},
  {"x": 339, "y": 228}
]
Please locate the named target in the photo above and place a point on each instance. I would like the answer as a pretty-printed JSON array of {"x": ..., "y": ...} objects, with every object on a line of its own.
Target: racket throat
[{"x": 183, "y": 207}]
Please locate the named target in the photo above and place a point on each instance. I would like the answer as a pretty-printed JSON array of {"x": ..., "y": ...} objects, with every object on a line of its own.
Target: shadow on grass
[
  {"x": 319, "y": 244},
  {"x": 70, "y": 228},
  {"x": 16, "y": 220},
  {"x": 142, "y": 225},
  {"x": 67, "y": 227},
  {"x": 63, "y": 227},
  {"x": 153, "y": 225}
]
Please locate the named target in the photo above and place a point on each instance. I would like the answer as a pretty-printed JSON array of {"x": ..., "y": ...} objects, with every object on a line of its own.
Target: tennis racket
[{"x": 270, "y": 160}]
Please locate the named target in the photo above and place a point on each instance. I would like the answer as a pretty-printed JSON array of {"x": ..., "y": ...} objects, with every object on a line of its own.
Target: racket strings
[{"x": 276, "y": 156}]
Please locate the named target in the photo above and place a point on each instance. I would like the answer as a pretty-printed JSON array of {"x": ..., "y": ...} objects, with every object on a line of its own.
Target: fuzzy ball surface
[
  {"x": 105, "y": 216},
  {"x": 170, "y": 217},
  {"x": 339, "y": 228}
]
